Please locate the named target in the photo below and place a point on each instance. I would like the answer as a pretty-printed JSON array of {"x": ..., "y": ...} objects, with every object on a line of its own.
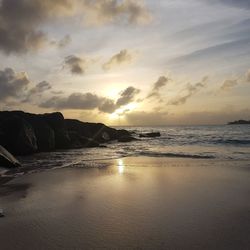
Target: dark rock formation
[
  {"x": 126, "y": 139},
  {"x": 7, "y": 159},
  {"x": 23, "y": 133},
  {"x": 96, "y": 131},
  {"x": 239, "y": 122},
  {"x": 153, "y": 134},
  {"x": 56, "y": 122},
  {"x": 44, "y": 133},
  {"x": 18, "y": 136}
]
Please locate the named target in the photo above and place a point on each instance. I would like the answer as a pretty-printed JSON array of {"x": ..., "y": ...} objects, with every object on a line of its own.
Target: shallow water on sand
[{"x": 130, "y": 203}]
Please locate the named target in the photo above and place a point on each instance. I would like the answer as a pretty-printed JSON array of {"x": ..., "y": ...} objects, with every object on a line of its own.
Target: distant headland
[{"x": 239, "y": 122}]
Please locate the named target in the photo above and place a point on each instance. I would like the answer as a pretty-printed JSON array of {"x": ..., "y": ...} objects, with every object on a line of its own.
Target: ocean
[{"x": 225, "y": 142}]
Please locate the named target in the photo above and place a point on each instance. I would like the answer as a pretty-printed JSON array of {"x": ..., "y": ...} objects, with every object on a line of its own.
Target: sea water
[{"x": 198, "y": 142}]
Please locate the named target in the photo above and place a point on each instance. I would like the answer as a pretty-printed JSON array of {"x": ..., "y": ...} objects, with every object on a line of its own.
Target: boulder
[
  {"x": 94, "y": 131},
  {"x": 57, "y": 123},
  {"x": 44, "y": 133},
  {"x": 153, "y": 134},
  {"x": 122, "y": 133},
  {"x": 17, "y": 136},
  {"x": 78, "y": 141},
  {"x": 7, "y": 159},
  {"x": 126, "y": 139}
]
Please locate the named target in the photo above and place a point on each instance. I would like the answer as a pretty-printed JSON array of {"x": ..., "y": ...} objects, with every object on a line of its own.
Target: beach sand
[{"x": 133, "y": 203}]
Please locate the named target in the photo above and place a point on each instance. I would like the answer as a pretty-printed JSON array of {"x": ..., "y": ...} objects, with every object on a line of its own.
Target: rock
[
  {"x": 122, "y": 133},
  {"x": 1, "y": 212},
  {"x": 57, "y": 123},
  {"x": 126, "y": 139},
  {"x": 95, "y": 131},
  {"x": 153, "y": 134},
  {"x": 78, "y": 141},
  {"x": 239, "y": 122},
  {"x": 18, "y": 136},
  {"x": 7, "y": 159},
  {"x": 25, "y": 133},
  {"x": 44, "y": 133}
]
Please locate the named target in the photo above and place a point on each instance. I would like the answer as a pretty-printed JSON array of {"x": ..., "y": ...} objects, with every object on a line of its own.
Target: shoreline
[{"x": 132, "y": 202}]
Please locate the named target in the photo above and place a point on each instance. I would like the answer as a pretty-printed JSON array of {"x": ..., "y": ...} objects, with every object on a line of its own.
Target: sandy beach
[{"x": 133, "y": 203}]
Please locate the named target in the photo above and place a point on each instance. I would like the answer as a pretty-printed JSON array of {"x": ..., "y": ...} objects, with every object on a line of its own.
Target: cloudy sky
[{"x": 127, "y": 62}]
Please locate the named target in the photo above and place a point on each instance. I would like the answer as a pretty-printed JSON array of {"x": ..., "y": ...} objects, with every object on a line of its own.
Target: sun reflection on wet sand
[{"x": 120, "y": 166}]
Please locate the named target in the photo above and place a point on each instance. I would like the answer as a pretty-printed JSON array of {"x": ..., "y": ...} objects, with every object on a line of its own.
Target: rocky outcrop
[
  {"x": 57, "y": 123},
  {"x": 18, "y": 136},
  {"x": 126, "y": 139},
  {"x": 239, "y": 122},
  {"x": 98, "y": 132},
  {"x": 44, "y": 133},
  {"x": 24, "y": 133},
  {"x": 153, "y": 134},
  {"x": 7, "y": 159}
]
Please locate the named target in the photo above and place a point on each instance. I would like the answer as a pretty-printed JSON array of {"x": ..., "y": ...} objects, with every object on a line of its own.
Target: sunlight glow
[
  {"x": 120, "y": 167},
  {"x": 119, "y": 113}
]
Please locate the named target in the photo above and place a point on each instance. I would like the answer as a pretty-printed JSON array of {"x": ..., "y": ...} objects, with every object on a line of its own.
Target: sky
[{"x": 127, "y": 62}]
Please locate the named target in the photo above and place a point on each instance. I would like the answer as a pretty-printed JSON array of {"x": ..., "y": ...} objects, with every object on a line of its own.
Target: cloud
[
  {"x": 160, "y": 83},
  {"x": 74, "y": 101},
  {"x": 21, "y": 20},
  {"x": 82, "y": 101},
  {"x": 123, "y": 57},
  {"x": 109, "y": 11},
  {"x": 12, "y": 84},
  {"x": 189, "y": 91},
  {"x": 228, "y": 84},
  {"x": 248, "y": 76},
  {"x": 65, "y": 41},
  {"x": 37, "y": 91},
  {"x": 89, "y": 101},
  {"x": 107, "y": 106},
  {"x": 75, "y": 64},
  {"x": 127, "y": 96}
]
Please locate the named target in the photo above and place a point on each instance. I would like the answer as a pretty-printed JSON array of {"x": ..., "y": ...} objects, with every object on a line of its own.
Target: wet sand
[{"x": 135, "y": 203}]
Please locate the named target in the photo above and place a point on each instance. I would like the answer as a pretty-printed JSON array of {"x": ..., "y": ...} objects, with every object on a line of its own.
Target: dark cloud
[
  {"x": 65, "y": 41},
  {"x": 100, "y": 12},
  {"x": 74, "y": 101},
  {"x": 123, "y": 57},
  {"x": 75, "y": 64},
  {"x": 57, "y": 92},
  {"x": 12, "y": 84},
  {"x": 21, "y": 20},
  {"x": 127, "y": 96},
  {"x": 107, "y": 106},
  {"x": 160, "y": 83},
  {"x": 89, "y": 101},
  {"x": 188, "y": 91},
  {"x": 37, "y": 91}
]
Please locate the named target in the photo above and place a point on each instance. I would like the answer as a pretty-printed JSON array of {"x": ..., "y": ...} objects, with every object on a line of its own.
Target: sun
[{"x": 121, "y": 112}]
